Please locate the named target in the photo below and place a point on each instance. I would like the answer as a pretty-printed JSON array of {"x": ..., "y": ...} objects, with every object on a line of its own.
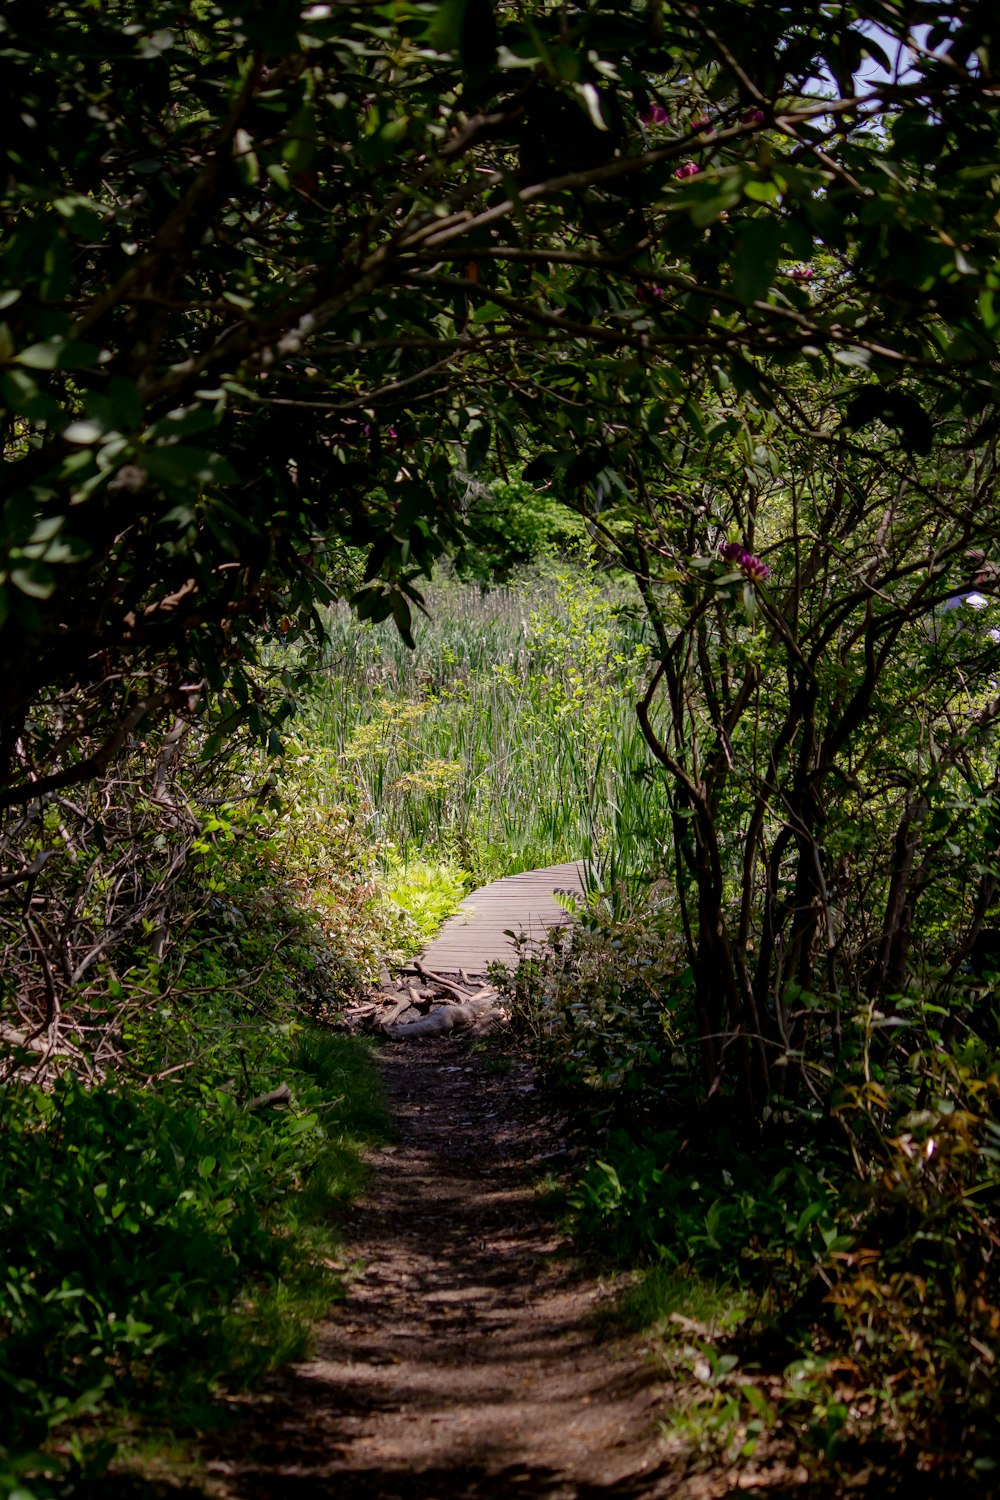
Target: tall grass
[{"x": 508, "y": 738}]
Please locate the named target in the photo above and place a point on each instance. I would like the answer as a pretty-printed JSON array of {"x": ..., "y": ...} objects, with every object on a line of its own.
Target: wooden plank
[{"x": 477, "y": 935}]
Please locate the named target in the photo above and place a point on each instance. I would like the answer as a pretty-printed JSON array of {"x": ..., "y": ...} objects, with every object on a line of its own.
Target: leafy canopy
[{"x": 276, "y": 279}]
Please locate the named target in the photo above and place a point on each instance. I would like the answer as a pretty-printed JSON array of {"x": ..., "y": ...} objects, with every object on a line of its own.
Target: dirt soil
[{"x": 465, "y": 1362}]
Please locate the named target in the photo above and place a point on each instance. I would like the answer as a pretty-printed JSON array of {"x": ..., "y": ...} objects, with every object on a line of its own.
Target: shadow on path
[{"x": 463, "y": 1362}]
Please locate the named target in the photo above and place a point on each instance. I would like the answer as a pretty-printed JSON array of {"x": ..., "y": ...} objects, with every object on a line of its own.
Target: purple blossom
[
  {"x": 655, "y": 115},
  {"x": 752, "y": 566},
  {"x": 689, "y": 169},
  {"x": 802, "y": 273},
  {"x": 752, "y": 117}
]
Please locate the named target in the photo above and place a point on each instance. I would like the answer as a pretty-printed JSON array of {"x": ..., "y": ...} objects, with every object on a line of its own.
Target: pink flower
[
  {"x": 703, "y": 122},
  {"x": 802, "y": 273},
  {"x": 752, "y": 566},
  {"x": 650, "y": 293},
  {"x": 689, "y": 169},
  {"x": 752, "y": 117},
  {"x": 655, "y": 115}
]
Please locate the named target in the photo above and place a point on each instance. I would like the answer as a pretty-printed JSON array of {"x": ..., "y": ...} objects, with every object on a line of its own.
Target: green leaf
[
  {"x": 402, "y": 617},
  {"x": 57, "y": 270},
  {"x": 299, "y": 151},
  {"x": 59, "y": 354},
  {"x": 185, "y": 421},
  {"x": 123, "y": 404},
  {"x": 245, "y": 158},
  {"x": 34, "y": 579},
  {"x": 758, "y": 249},
  {"x": 22, "y": 395},
  {"x": 83, "y": 432},
  {"x": 477, "y": 448},
  {"x": 376, "y": 149},
  {"x": 467, "y": 28},
  {"x": 896, "y": 409},
  {"x": 83, "y": 217},
  {"x": 488, "y": 312},
  {"x": 371, "y": 604},
  {"x": 762, "y": 192},
  {"x": 178, "y": 464}
]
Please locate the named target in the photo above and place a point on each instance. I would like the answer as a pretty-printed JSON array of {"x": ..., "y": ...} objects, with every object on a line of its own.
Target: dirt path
[{"x": 464, "y": 1362}]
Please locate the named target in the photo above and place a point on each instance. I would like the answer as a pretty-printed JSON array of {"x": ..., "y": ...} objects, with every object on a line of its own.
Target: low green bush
[
  {"x": 149, "y": 1239},
  {"x": 428, "y": 890},
  {"x": 856, "y": 1233},
  {"x": 514, "y": 525},
  {"x": 604, "y": 1009},
  {"x": 163, "y": 1234}
]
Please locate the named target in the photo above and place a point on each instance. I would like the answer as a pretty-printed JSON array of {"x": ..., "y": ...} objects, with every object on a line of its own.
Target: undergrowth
[
  {"x": 157, "y": 1244},
  {"x": 830, "y": 1290},
  {"x": 175, "y": 1160}
]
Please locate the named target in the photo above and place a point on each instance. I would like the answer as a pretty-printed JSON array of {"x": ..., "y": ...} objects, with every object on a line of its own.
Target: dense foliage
[
  {"x": 507, "y": 738},
  {"x": 294, "y": 300},
  {"x": 822, "y": 711},
  {"x": 844, "y": 1232},
  {"x": 157, "y": 1245},
  {"x": 279, "y": 279},
  {"x": 829, "y": 1296},
  {"x": 166, "y": 1231}
]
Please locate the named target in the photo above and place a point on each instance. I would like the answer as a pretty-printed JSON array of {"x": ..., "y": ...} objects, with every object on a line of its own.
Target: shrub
[{"x": 144, "y": 1237}]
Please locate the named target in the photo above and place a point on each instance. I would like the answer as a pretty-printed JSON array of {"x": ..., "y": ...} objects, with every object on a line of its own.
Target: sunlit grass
[
  {"x": 675, "y": 1299},
  {"x": 508, "y": 739}
]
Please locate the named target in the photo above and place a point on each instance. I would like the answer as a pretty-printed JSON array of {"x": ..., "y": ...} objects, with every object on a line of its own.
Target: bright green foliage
[
  {"x": 821, "y": 709},
  {"x": 745, "y": 1213},
  {"x": 155, "y": 1244},
  {"x": 429, "y": 891},
  {"x": 508, "y": 736},
  {"x": 602, "y": 1011},
  {"x": 279, "y": 285},
  {"x": 251, "y": 890},
  {"x": 159, "y": 1237},
  {"x": 513, "y": 526}
]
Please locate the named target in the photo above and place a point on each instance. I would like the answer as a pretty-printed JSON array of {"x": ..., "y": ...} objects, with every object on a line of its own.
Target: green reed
[{"x": 508, "y": 738}]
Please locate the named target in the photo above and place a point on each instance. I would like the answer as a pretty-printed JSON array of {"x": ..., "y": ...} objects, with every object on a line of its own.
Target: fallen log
[
  {"x": 401, "y": 1005},
  {"x": 438, "y": 1022},
  {"x": 274, "y": 1100},
  {"x": 355, "y": 1012},
  {"x": 445, "y": 1017},
  {"x": 462, "y": 994}
]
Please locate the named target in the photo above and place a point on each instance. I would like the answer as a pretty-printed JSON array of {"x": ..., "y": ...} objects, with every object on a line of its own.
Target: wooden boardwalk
[{"x": 477, "y": 935}]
